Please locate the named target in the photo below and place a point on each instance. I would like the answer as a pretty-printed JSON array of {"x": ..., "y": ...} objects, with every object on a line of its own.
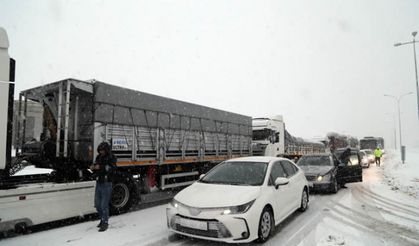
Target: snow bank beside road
[{"x": 403, "y": 177}]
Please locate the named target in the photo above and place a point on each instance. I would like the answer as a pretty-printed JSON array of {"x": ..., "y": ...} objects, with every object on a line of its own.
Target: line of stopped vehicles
[
  {"x": 243, "y": 199},
  {"x": 232, "y": 178}
]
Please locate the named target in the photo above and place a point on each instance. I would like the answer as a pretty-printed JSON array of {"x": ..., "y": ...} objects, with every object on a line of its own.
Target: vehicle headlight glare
[
  {"x": 325, "y": 177},
  {"x": 174, "y": 203},
  {"x": 227, "y": 211},
  {"x": 238, "y": 209}
]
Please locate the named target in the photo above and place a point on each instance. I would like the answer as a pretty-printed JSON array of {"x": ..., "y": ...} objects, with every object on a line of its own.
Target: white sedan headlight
[
  {"x": 175, "y": 203},
  {"x": 237, "y": 209},
  {"x": 223, "y": 210},
  {"x": 325, "y": 177}
]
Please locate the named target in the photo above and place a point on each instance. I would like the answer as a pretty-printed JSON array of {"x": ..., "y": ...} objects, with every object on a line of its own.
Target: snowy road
[{"x": 368, "y": 213}]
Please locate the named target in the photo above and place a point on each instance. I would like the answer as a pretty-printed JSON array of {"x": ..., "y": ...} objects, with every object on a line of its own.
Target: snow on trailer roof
[
  {"x": 135, "y": 99},
  {"x": 118, "y": 105}
]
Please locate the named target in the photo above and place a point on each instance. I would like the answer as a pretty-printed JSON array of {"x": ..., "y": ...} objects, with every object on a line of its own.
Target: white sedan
[{"x": 239, "y": 200}]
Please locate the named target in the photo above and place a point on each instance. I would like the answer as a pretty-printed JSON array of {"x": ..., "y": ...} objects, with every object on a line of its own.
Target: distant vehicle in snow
[
  {"x": 239, "y": 200},
  {"x": 270, "y": 138},
  {"x": 325, "y": 172},
  {"x": 335, "y": 141},
  {"x": 350, "y": 161},
  {"x": 370, "y": 155},
  {"x": 364, "y": 159},
  {"x": 371, "y": 143}
]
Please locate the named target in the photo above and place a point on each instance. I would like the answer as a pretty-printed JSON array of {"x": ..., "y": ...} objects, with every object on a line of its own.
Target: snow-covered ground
[
  {"x": 403, "y": 177},
  {"x": 375, "y": 212},
  {"x": 370, "y": 213}
]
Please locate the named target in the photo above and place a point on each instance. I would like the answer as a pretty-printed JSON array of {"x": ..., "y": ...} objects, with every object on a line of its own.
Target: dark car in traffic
[{"x": 328, "y": 172}]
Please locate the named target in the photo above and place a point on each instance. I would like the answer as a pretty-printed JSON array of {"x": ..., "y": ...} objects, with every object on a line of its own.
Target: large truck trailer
[{"x": 161, "y": 144}]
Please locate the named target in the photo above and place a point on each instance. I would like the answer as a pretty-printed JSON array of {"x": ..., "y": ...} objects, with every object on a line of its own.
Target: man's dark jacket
[{"x": 107, "y": 167}]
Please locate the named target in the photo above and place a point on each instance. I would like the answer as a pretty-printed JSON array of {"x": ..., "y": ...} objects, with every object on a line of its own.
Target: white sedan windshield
[{"x": 237, "y": 173}]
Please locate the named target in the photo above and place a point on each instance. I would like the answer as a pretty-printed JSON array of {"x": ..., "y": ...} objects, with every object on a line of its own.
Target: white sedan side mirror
[{"x": 281, "y": 181}]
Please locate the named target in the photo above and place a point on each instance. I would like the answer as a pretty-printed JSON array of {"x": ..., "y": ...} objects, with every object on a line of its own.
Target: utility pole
[{"x": 413, "y": 42}]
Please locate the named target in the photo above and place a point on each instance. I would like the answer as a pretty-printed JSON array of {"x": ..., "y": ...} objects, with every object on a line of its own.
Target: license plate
[
  {"x": 195, "y": 224},
  {"x": 310, "y": 184}
]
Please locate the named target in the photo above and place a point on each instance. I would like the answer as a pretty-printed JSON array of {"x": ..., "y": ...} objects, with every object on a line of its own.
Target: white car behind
[
  {"x": 365, "y": 158},
  {"x": 370, "y": 155},
  {"x": 239, "y": 200}
]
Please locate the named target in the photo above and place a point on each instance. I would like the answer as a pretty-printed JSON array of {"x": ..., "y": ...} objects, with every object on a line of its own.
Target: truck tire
[
  {"x": 124, "y": 194},
  {"x": 21, "y": 228}
]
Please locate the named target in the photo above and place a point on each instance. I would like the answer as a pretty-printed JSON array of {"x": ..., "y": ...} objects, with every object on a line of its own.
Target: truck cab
[
  {"x": 268, "y": 136},
  {"x": 7, "y": 77},
  {"x": 28, "y": 197}
]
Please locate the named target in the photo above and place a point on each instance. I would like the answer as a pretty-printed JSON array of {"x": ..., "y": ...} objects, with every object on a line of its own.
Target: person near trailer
[
  {"x": 378, "y": 153},
  {"x": 103, "y": 169}
]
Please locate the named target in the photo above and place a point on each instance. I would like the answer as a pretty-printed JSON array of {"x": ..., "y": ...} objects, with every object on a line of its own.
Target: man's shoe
[
  {"x": 103, "y": 227},
  {"x": 99, "y": 225}
]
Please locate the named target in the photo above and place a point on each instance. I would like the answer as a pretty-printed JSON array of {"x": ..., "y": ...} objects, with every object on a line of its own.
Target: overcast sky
[{"x": 323, "y": 65}]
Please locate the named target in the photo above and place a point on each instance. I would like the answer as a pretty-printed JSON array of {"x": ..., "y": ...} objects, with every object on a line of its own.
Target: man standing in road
[
  {"x": 103, "y": 169},
  {"x": 378, "y": 153}
]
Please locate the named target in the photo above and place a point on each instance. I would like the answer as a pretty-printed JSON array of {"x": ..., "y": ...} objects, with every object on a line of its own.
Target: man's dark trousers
[{"x": 102, "y": 200}]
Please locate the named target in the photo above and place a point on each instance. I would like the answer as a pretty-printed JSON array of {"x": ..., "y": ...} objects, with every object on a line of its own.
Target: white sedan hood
[{"x": 204, "y": 195}]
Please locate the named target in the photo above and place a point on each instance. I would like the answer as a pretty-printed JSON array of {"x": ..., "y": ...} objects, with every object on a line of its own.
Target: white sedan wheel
[
  {"x": 304, "y": 201},
  {"x": 265, "y": 225}
]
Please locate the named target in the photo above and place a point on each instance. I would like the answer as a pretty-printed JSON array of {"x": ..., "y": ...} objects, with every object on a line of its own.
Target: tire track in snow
[
  {"x": 295, "y": 230},
  {"x": 374, "y": 204},
  {"x": 384, "y": 228},
  {"x": 404, "y": 207},
  {"x": 338, "y": 218}
]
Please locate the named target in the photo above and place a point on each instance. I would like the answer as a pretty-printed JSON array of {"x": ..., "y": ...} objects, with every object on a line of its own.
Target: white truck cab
[
  {"x": 5, "y": 83},
  {"x": 25, "y": 204},
  {"x": 268, "y": 136}
]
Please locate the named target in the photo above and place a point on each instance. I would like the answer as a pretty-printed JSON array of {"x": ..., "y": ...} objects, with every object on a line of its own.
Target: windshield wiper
[
  {"x": 212, "y": 182},
  {"x": 224, "y": 183},
  {"x": 237, "y": 183}
]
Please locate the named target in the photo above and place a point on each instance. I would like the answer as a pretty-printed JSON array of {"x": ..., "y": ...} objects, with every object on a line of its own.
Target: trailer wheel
[{"x": 123, "y": 195}]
